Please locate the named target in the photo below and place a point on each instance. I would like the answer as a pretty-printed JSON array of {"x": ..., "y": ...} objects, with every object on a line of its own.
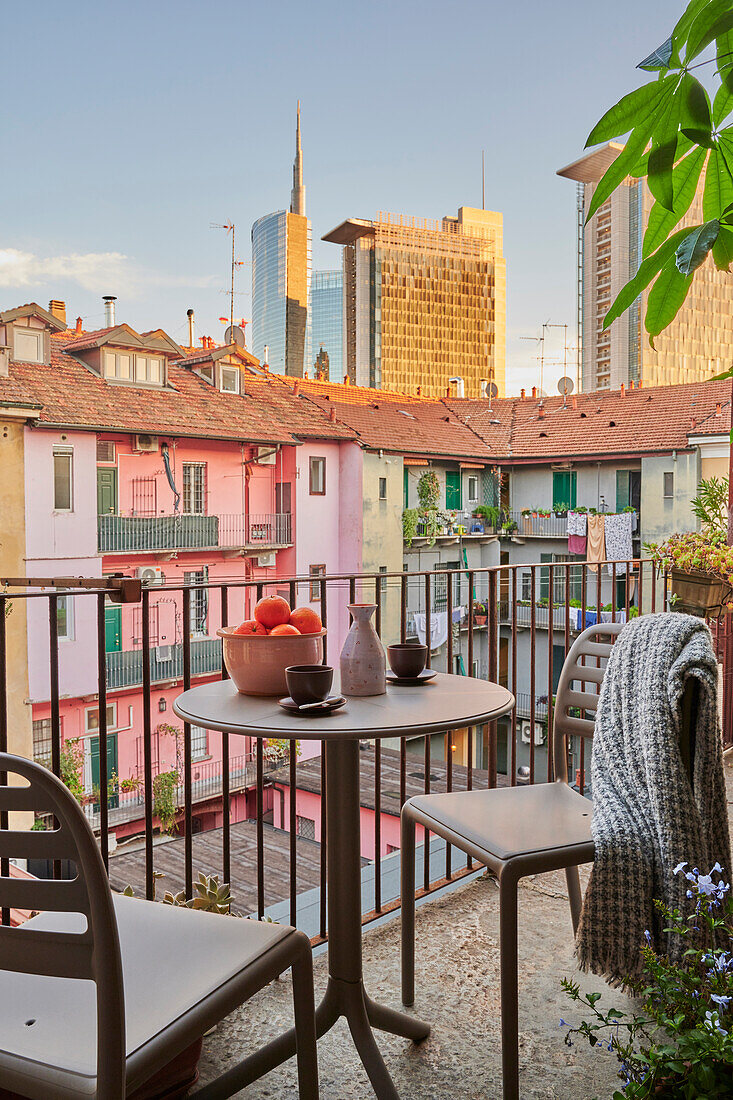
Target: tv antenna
[
  {"x": 230, "y": 228},
  {"x": 541, "y": 341}
]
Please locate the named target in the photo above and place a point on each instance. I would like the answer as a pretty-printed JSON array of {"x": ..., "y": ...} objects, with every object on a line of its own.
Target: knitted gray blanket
[{"x": 647, "y": 816}]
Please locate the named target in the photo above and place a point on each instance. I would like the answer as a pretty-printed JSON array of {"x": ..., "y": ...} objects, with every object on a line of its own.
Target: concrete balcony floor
[{"x": 457, "y": 991}]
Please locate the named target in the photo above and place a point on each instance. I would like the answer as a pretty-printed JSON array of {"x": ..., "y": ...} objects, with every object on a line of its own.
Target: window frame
[
  {"x": 62, "y": 452},
  {"x": 470, "y": 498},
  {"x": 317, "y": 463},
  {"x": 68, "y": 611},
  {"x": 190, "y": 490},
  {"x": 199, "y": 735},
  {"x": 383, "y": 486},
  {"x": 314, "y": 586},
  {"x": 235, "y": 373},
  {"x": 26, "y": 330},
  {"x": 93, "y": 731},
  {"x": 668, "y": 495}
]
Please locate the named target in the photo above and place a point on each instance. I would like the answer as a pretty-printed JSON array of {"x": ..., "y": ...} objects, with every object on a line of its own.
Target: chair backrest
[
  {"x": 585, "y": 664},
  {"x": 89, "y": 953}
]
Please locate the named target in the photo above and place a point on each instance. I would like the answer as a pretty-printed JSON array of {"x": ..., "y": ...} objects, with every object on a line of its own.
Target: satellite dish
[
  {"x": 565, "y": 385},
  {"x": 493, "y": 389},
  {"x": 234, "y": 335}
]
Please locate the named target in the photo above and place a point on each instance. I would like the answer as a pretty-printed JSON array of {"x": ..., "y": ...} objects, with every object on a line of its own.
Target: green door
[
  {"x": 453, "y": 490},
  {"x": 564, "y": 489},
  {"x": 113, "y": 629},
  {"x": 112, "y": 800},
  {"x": 106, "y": 491}
]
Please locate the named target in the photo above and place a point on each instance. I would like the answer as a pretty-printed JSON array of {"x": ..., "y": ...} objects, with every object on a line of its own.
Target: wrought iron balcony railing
[{"x": 140, "y": 534}]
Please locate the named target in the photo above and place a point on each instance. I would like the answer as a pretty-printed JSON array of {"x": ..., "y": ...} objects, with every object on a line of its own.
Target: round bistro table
[{"x": 444, "y": 703}]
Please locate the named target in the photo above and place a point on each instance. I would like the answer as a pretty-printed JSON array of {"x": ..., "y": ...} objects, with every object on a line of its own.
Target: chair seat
[
  {"x": 506, "y": 822},
  {"x": 172, "y": 960}
]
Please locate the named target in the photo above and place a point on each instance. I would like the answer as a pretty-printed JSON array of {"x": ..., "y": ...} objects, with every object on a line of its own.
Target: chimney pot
[
  {"x": 522, "y": 394},
  {"x": 109, "y": 309},
  {"x": 78, "y": 326},
  {"x": 541, "y": 412},
  {"x": 639, "y": 384},
  {"x": 332, "y": 414},
  {"x": 58, "y": 309},
  {"x": 575, "y": 401},
  {"x": 419, "y": 391},
  {"x": 718, "y": 410},
  {"x": 296, "y": 388},
  {"x": 693, "y": 423},
  {"x": 191, "y": 329},
  {"x": 631, "y": 384},
  {"x": 534, "y": 391}
]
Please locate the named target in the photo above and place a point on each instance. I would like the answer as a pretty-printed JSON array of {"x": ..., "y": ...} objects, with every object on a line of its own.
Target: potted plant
[
  {"x": 699, "y": 563},
  {"x": 510, "y": 527},
  {"x": 527, "y": 516},
  {"x": 480, "y": 614},
  {"x": 410, "y": 524},
  {"x": 561, "y": 510}
]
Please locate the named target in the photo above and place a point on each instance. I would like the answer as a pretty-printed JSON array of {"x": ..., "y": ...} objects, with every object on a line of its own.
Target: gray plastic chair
[
  {"x": 516, "y": 831},
  {"x": 99, "y": 992}
]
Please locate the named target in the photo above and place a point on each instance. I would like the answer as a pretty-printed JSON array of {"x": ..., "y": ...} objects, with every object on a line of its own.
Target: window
[
  {"x": 118, "y": 364},
  {"x": 126, "y": 367},
  {"x": 144, "y": 496},
  {"x": 148, "y": 369},
  {"x": 315, "y": 586},
  {"x": 305, "y": 826},
  {"x": 199, "y": 605},
  {"x": 199, "y": 743},
  {"x": 317, "y": 477},
  {"x": 229, "y": 380},
  {"x": 383, "y": 579},
  {"x": 574, "y": 575},
  {"x": 42, "y": 740},
  {"x": 668, "y": 486},
  {"x": 105, "y": 450},
  {"x": 91, "y": 719},
  {"x": 194, "y": 480},
  {"x": 472, "y": 489},
  {"x": 63, "y": 476},
  {"x": 28, "y": 345},
  {"x": 564, "y": 489},
  {"x": 383, "y": 488},
  {"x": 65, "y": 618},
  {"x": 440, "y": 597}
]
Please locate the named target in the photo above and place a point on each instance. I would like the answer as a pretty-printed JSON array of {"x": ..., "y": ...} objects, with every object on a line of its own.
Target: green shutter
[
  {"x": 564, "y": 489},
  {"x": 623, "y": 493},
  {"x": 453, "y": 490},
  {"x": 106, "y": 491}
]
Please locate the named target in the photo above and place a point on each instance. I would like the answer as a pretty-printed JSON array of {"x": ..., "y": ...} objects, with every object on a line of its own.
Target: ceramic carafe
[{"x": 363, "y": 662}]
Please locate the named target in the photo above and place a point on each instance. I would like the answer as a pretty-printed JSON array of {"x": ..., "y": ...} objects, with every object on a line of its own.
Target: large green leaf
[
  {"x": 630, "y": 111},
  {"x": 723, "y": 249},
  {"x": 723, "y": 103},
  {"x": 695, "y": 110},
  {"x": 665, "y": 298},
  {"x": 718, "y": 192},
  {"x": 647, "y": 270},
  {"x": 715, "y": 18},
  {"x": 662, "y": 155},
  {"x": 658, "y": 59},
  {"x": 693, "y": 250},
  {"x": 628, "y": 157},
  {"x": 682, "y": 27},
  {"x": 684, "y": 182}
]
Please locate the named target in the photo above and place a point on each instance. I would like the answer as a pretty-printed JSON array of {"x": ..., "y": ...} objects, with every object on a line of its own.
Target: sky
[{"x": 130, "y": 128}]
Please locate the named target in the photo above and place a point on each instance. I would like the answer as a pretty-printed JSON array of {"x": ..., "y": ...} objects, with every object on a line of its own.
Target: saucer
[
  {"x": 327, "y": 706},
  {"x": 422, "y": 678}
]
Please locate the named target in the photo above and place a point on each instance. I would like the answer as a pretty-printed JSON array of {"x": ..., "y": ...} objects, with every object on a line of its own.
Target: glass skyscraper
[
  {"x": 325, "y": 323},
  {"x": 281, "y": 271}
]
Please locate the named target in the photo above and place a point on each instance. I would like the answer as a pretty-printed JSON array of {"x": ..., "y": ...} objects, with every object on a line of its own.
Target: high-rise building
[
  {"x": 281, "y": 271},
  {"x": 698, "y": 343},
  {"x": 326, "y": 322},
  {"x": 424, "y": 302}
]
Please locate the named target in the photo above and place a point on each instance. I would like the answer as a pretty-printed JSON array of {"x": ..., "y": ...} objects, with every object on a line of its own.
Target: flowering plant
[
  {"x": 704, "y": 551},
  {"x": 682, "y": 1047}
]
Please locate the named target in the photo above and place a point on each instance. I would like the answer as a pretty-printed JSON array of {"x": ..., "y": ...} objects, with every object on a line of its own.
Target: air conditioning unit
[
  {"x": 150, "y": 574},
  {"x": 266, "y": 456},
  {"x": 146, "y": 443},
  {"x": 267, "y": 561},
  {"x": 539, "y": 733}
]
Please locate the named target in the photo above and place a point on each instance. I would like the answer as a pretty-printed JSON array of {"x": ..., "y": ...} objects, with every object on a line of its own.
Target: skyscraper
[
  {"x": 698, "y": 343},
  {"x": 424, "y": 301},
  {"x": 281, "y": 272},
  {"x": 326, "y": 322}
]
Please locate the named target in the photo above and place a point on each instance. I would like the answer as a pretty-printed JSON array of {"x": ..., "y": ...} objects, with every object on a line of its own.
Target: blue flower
[
  {"x": 678, "y": 868},
  {"x": 647, "y": 936},
  {"x": 712, "y": 1022},
  {"x": 721, "y": 999}
]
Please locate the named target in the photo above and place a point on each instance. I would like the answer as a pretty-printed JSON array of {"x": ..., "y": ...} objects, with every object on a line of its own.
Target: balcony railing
[
  {"x": 125, "y": 667},
  {"x": 503, "y": 651},
  {"x": 140, "y": 534}
]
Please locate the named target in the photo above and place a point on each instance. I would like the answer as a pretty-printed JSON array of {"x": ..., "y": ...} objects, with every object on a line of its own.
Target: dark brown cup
[
  {"x": 407, "y": 659},
  {"x": 309, "y": 683}
]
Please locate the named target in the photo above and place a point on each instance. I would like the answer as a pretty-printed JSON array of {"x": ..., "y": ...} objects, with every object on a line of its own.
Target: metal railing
[
  {"x": 118, "y": 534},
  {"x": 518, "y": 654},
  {"x": 125, "y": 667}
]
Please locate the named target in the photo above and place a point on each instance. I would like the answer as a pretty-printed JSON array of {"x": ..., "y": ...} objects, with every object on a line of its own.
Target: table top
[{"x": 444, "y": 703}]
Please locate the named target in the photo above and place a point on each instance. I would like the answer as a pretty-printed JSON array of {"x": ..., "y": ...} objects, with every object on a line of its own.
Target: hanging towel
[
  {"x": 596, "y": 540},
  {"x": 577, "y": 525},
  {"x": 618, "y": 541},
  {"x": 647, "y": 814},
  {"x": 438, "y": 628}
]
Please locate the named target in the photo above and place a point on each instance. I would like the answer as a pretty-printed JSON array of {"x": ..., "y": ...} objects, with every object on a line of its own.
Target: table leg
[{"x": 345, "y": 994}]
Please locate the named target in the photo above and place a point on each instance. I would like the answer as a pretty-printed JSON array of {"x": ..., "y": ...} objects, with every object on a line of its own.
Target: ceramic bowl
[
  {"x": 256, "y": 663},
  {"x": 309, "y": 683},
  {"x": 407, "y": 659}
]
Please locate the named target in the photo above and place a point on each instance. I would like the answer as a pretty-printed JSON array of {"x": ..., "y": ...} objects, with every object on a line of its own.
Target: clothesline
[{"x": 602, "y": 536}]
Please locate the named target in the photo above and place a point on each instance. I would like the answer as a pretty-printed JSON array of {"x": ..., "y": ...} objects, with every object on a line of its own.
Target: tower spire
[{"x": 297, "y": 195}]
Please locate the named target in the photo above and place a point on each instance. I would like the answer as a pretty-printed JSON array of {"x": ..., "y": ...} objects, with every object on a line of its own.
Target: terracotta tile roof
[
  {"x": 390, "y": 421},
  {"x": 73, "y": 396},
  {"x": 88, "y": 340},
  {"x": 638, "y": 421}
]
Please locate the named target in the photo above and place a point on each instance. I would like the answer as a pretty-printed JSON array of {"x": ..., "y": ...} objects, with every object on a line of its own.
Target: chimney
[
  {"x": 266, "y": 357},
  {"x": 109, "y": 310},
  {"x": 631, "y": 383},
  {"x": 718, "y": 410},
  {"x": 639, "y": 384},
  {"x": 78, "y": 326},
  {"x": 296, "y": 388},
  {"x": 693, "y": 423},
  {"x": 541, "y": 412},
  {"x": 332, "y": 415},
  {"x": 419, "y": 391},
  {"x": 458, "y": 382},
  {"x": 574, "y": 400},
  {"x": 623, "y": 390},
  {"x": 347, "y": 380},
  {"x": 191, "y": 329},
  {"x": 522, "y": 394},
  {"x": 58, "y": 309},
  {"x": 534, "y": 391}
]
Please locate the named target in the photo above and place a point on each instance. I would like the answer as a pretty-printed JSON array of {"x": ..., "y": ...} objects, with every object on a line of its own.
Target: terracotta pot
[
  {"x": 480, "y": 620},
  {"x": 363, "y": 663},
  {"x": 257, "y": 662},
  {"x": 697, "y": 593}
]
